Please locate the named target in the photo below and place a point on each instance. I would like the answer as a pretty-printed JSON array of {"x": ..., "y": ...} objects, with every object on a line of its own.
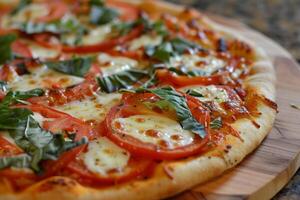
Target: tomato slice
[
  {"x": 137, "y": 167},
  {"x": 61, "y": 121},
  {"x": 63, "y": 96},
  {"x": 105, "y": 45},
  {"x": 168, "y": 77},
  {"x": 21, "y": 49},
  {"x": 137, "y": 147},
  {"x": 128, "y": 12},
  {"x": 57, "y": 9},
  {"x": 7, "y": 148}
]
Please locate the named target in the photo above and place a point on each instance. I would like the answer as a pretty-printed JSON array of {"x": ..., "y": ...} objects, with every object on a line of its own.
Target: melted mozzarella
[
  {"x": 104, "y": 156},
  {"x": 145, "y": 40},
  {"x": 208, "y": 64},
  {"x": 43, "y": 78},
  {"x": 112, "y": 65},
  {"x": 97, "y": 34},
  {"x": 93, "y": 108},
  {"x": 210, "y": 93},
  {"x": 30, "y": 13},
  {"x": 42, "y": 52},
  {"x": 155, "y": 129}
]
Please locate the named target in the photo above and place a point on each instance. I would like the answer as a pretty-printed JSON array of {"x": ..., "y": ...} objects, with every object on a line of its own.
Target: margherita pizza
[{"x": 124, "y": 99}]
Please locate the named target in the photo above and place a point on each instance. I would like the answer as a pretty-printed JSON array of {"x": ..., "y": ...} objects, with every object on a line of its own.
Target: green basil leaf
[
  {"x": 161, "y": 104},
  {"x": 19, "y": 161},
  {"x": 194, "y": 93},
  {"x": 101, "y": 15},
  {"x": 58, "y": 27},
  {"x": 17, "y": 96},
  {"x": 179, "y": 104},
  {"x": 5, "y": 47},
  {"x": 216, "y": 123},
  {"x": 22, "y": 4},
  {"x": 77, "y": 66},
  {"x": 39, "y": 143},
  {"x": 122, "y": 80},
  {"x": 171, "y": 48},
  {"x": 12, "y": 118},
  {"x": 96, "y": 2}
]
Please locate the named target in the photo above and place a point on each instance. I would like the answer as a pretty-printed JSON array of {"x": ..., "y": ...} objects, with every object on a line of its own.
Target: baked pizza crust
[{"x": 174, "y": 177}]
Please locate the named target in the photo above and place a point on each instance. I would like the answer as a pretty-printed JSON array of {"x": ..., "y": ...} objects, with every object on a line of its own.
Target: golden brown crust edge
[{"x": 182, "y": 174}]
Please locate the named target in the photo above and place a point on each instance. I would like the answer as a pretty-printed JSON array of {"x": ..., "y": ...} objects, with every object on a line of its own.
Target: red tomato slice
[
  {"x": 54, "y": 167},
  {"x": 63, "y": 96},
  {"x": 168, "y": 77},
  {"x": 57, "y": 9},
  {"x": 137, "y": 147},
  {"x": 136, "y": 167},
  {"x": 61, "y": 121},
  {"x": 7, "y": 148},
  {"x": 105, "y": 45},
  {"x": 128, "y": 12},
  {"x": 21, "y": 48}
]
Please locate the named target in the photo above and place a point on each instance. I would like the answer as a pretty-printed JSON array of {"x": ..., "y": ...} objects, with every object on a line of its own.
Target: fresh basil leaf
[
  {"x": 77, "y": 66},
  {"x": 122, "y": 80},
  {"x": 159, "y": 28},
  {"x": 194, "y": 93},
  {"x": 19, "y": 161},
  {"x": 171, "y": 48},
  {"x": 11, "y": 118},
  {"x": 96, "y": 2},
  {"x": 22, "y": 4},
  {"x": 161, "y": 104},
  {"x": 178, "y": 102},
  {"x": 39, "y": 143},
  {"x": 5, "y": 47},
  {"x": 122, "y": 28},
  {"x": 216, "y": 123},
  {"x": 101, "y": 15},
  {"x": 17, "y": 96}
]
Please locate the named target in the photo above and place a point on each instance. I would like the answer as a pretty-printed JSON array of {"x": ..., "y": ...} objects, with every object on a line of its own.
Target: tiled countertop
[{"x": 278, "y": 19}]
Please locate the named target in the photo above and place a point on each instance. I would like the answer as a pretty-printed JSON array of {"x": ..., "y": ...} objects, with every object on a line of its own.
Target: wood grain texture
[{"x": 263, "y": 173}]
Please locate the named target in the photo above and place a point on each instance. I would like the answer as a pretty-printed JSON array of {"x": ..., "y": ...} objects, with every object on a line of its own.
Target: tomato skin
[
  {"x": 128, "y": 12},
  {"x": 7, "y": 148},
  {"x": 137, "y": 167},
  {"x": 142, "y": 149},
  {"x": 21, "y": 48},
  {"x": 106, "y": 45},
  {"x": 57, "y": 9},
  {"x": 168, "y": 77},
  {"x": 53, "y": 167}
]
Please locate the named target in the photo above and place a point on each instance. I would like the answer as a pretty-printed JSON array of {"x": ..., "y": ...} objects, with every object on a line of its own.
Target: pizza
[{"x": 124, "y": 99}]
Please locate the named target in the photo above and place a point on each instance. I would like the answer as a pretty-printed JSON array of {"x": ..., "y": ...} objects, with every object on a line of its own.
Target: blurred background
[{"x": 278, "y": 19}]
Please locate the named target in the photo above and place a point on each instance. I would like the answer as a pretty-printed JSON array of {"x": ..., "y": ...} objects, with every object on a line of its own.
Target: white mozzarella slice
[
  {"x": 92, "y": 108},
  {"x": 210, "y": 93},
  {"x": 115, "y": 64},
  {"x": 42, "y": 52},
  {"x": 104, "y": 156},
  {"x": 43, "y": 77},
  {"x": 208, "y": 64},
  {"x": 30, "y": 13},
  {"x": 145, "y": 40},
  {"x": 155, "y": 129},
  {"x": 97, "y": 35}
]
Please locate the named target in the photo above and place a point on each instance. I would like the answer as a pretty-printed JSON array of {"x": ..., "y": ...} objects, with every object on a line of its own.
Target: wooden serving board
[{"x": 263, "y": 173}]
